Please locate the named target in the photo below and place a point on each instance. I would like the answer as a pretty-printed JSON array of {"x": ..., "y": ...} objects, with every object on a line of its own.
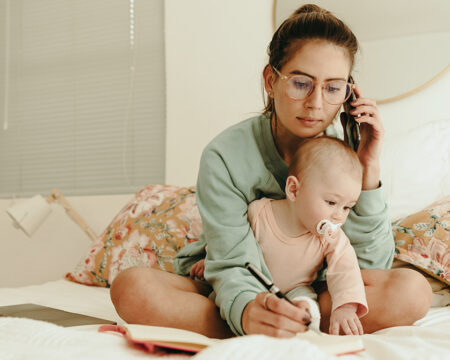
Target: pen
[{"x": 270, "y": 286}]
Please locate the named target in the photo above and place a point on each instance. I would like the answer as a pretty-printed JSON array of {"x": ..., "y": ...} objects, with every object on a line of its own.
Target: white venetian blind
[{"x": 82, "y": 96}]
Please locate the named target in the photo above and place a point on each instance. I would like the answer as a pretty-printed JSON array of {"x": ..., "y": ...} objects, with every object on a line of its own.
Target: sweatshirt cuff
[
  {"x": 237, "y": 309},
  {"x": 370, "y": 202}
]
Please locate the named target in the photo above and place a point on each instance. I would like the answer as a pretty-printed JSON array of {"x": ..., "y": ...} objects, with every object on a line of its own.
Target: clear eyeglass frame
[{"x": 350, "y": 86}]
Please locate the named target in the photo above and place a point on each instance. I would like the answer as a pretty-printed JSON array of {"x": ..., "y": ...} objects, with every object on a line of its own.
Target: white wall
[{"x": 215, "y": 54}]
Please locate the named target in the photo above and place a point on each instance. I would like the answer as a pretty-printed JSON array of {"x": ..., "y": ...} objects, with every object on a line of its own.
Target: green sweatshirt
[{"x": 240, "y": 165}]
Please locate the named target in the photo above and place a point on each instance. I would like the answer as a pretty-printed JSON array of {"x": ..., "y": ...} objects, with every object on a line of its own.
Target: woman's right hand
[{"x": 270, "y": 315}]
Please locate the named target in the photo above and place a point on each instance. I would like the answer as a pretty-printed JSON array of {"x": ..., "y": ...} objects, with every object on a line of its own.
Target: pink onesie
[{"x": 295, "y": 261}]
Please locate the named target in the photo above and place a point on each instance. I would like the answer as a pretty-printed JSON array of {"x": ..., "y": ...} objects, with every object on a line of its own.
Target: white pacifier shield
[{"x": 325, "y": 224}]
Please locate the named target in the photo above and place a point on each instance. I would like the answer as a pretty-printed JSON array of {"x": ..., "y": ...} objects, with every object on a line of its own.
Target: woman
[{"x": 310, "y": 58}]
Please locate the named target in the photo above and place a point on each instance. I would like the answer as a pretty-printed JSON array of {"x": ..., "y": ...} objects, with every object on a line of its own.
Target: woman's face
[{"x": 321, "y": 61}]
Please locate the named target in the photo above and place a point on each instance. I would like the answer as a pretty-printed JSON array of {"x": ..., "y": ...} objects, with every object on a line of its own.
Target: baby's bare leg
[
  {"x": 154, "y": 297},
  {"x": 395, "y": 297}
]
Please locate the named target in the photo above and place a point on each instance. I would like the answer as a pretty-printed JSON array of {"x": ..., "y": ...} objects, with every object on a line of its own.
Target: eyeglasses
[{"x": 299, "y": 87}]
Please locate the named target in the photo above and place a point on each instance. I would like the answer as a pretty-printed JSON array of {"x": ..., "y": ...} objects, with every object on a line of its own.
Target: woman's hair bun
[{"x": 309, "y": 8}]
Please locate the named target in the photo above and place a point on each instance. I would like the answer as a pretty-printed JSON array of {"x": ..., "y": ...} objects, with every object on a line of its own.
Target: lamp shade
[{"x": 29, "y": 214}]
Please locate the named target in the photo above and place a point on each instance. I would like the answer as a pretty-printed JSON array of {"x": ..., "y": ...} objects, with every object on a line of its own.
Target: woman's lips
[{"x": 308, "y": 121}]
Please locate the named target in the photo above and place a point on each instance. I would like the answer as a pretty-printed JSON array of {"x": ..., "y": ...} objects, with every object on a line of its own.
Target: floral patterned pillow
[
  {"x": 148, "y": 231},
  {"x": 423, "y": 240}
]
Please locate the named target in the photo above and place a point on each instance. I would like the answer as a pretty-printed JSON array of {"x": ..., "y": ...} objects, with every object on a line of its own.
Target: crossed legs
[
  {"x": 148, "y": 296},
  {"x": 154, "y": 297}
]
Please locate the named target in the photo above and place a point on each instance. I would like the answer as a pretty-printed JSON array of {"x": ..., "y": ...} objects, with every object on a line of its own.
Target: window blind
[{"x": 83, "y": 96}]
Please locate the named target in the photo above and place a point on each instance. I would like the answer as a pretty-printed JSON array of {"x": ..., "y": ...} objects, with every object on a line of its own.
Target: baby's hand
[
  {"x": 345, "y": 318},
  {"x": 198, "y": 269}
]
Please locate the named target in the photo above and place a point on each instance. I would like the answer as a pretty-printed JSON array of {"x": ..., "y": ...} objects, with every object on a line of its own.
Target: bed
[
  {"x": 23, "y": 338},
  {"x": 148, "y": 231}
]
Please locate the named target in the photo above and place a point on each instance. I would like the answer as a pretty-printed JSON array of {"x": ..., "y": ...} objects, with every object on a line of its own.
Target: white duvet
[{"x": 22, "y": 339}]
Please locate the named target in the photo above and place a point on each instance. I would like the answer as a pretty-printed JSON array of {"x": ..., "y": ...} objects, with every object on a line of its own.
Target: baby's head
[
  {"x": 324, "y": 154},
  {"x": 324, "y": 182}
]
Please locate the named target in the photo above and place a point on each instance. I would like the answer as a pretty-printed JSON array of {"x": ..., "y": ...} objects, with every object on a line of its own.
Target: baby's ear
[{"x": 292, "y": 188}]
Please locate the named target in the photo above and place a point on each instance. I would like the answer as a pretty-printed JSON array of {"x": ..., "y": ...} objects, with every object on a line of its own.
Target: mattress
[{"x": 23, "y": 338}]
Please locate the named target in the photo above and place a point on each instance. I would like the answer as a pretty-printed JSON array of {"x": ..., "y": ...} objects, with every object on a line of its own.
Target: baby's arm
[
  {"x": 346, "y": 287},
  {"x": 345, "y": 318}
]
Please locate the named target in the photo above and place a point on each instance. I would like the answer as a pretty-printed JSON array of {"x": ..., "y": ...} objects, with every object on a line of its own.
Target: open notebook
[{"x": 156, "y": 337}]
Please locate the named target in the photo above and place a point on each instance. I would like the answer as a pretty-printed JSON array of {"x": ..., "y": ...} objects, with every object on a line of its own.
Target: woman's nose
[{"x": 315, "y": 99}]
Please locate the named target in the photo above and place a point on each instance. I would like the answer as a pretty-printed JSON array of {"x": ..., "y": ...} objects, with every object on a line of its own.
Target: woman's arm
[
  {"x": 230, "y": 240},
  {"x": 368, "y": 225},
  {"x": 366, "y": 113}
]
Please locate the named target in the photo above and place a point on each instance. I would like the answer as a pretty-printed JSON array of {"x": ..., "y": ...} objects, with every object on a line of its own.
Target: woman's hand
[
  {"x": 270, "y": 315},
  {"x": 345, "y": 318},
  {"x": 366, "y": 114}
]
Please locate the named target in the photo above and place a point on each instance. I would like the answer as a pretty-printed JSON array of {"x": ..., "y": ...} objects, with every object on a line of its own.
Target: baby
[{"x": 298, "y": 233}]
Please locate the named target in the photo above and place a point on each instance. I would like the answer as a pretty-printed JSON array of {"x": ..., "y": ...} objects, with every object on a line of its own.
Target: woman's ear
[
  {"x": 268, "y": 80},
  {"x": 292, "y": 188}
]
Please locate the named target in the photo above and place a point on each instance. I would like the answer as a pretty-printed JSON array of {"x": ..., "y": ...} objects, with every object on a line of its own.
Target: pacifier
[{"x": 325, "y": 224}]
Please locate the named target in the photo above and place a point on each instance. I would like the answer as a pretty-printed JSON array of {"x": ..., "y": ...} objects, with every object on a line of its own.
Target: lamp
[{"x": 28, "y": 215}]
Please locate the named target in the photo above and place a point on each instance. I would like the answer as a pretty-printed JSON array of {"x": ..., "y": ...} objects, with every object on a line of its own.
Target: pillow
[
  {"x": 148, "y": 231},
  {"x": 423, "y": 240},
  {"x": 415, "y": 167}
]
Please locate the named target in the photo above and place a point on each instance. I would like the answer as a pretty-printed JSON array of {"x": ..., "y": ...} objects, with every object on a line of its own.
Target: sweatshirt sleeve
[
  {"x": 368, "y": 227},
  {"x": 230, "y": 240}
]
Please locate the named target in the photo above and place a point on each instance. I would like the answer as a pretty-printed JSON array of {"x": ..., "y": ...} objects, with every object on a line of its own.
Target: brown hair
[
  {"x": 318, "y": 153},
  {"x": 309, "y": 22}
]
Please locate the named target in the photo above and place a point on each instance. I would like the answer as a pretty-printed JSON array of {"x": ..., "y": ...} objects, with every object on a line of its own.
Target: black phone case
[{"x": 351, "y": 126}]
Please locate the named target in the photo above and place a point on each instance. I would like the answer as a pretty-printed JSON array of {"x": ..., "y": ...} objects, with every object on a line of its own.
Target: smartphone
[{"x": 351, "y": 126}]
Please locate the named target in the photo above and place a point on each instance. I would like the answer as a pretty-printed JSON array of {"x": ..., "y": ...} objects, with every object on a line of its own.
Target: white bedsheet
[
  {"x": 429, "y": 338},
  {"x": 430, "y": 342},
  {"x": 23, "y": 339}
]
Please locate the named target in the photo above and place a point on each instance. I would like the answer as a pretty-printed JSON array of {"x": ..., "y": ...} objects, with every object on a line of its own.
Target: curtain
[{"x": 82, "y": 96}]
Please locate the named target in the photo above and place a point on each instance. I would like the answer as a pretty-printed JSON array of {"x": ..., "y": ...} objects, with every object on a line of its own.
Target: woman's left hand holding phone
[
  {"x": 270, "y": 315},
  {"x": 372, "y": 133}
]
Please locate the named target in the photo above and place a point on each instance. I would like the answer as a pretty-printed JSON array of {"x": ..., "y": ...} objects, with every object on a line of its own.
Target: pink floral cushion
[
  {"x": 148, "y": 231},
  {"x": 423, "y": 240}
]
